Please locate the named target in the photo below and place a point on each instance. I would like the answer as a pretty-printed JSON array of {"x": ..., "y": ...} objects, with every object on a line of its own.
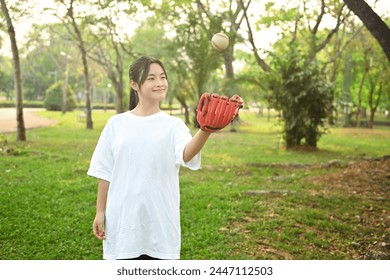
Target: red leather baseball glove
[{"x": 214, "y": 112}]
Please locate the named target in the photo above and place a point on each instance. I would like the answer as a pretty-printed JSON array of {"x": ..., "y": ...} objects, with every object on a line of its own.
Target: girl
[{"x": 136, "y": 161}]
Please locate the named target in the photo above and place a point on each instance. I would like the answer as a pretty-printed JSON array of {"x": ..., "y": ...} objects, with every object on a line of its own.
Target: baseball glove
[{"x": 214, "y": 112}]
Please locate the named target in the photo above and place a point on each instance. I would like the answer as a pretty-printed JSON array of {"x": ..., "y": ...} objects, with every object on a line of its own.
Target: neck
[{"x": 144, "y": 111}]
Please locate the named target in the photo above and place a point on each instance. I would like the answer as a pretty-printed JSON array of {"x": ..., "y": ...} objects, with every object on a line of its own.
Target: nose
[{"x": 159, "y": 82}]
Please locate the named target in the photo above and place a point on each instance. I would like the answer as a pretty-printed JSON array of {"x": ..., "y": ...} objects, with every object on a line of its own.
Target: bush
[
  {"x": 53, "y": 98},
  {"x": 301, "y": 92},
  {"x": 26, "y": 104}
]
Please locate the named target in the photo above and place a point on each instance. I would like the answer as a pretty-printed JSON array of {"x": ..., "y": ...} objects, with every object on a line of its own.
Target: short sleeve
[
  {"x": 182, "y": 136},
  {"x": 102, "y": 161}
]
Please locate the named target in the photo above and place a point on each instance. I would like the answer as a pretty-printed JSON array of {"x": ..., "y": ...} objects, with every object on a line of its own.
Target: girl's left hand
[{"x": 98, "y": 227}]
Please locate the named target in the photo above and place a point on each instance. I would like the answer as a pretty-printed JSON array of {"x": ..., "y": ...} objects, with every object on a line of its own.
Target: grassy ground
[{"x": 251, "y": 200}]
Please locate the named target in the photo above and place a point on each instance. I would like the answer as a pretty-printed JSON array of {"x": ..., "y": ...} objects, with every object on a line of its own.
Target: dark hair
[{"x": 138, "y": 73}]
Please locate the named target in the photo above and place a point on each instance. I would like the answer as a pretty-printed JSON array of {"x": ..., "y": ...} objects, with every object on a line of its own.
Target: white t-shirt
[{"x": 141, "y": 157}]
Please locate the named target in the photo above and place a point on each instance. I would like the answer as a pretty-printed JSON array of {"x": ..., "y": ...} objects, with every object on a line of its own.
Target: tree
[
  {"x": 181, "y": 82},
  {"x": 318, "y": 41},
  {"x": 252, "y": 83},
  {"x": 370, "y": 71},
  {"x": 261, "y": 62},
  {"x": 347, "y": 82},
  {"x": 229, "y": 20},
  {"x": 299, "y": 87},
  {"x": 74, "y": 30},
  {"x": 189, "y": 56},
  {"x": 372, "y": 102},
  {"x": 366, "y": 69},
  {"x": 373, "y": 23},
  {"x": 111, "y": 50},
  {"x": 6, "y": 80},
  {"x": 43, "y": 63},
  {"x": 301, "y": 23},
  {"x": 21, "y": 130}
]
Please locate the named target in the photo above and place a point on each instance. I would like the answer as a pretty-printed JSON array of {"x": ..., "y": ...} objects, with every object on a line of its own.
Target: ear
[{"x": 134, "y": 85}]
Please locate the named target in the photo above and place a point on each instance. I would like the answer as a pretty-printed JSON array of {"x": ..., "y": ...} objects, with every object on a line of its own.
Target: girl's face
[{"x": 155, "y": 86}]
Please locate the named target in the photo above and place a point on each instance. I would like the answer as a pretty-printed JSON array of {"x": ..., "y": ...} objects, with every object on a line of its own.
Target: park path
[{"x": 31, "y": 119}]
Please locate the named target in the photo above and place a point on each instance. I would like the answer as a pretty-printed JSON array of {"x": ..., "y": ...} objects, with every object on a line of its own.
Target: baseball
[{"x": 220, "y": 41}]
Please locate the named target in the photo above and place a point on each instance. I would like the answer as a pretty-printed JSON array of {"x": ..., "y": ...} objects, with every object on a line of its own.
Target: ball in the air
[{"x": 220, "y": 41}]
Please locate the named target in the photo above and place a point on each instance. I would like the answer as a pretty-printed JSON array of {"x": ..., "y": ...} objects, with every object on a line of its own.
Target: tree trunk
[
  {"x": 373, "y": 104},
  {"x": 228, "y": 57},
  {"x": 87, "y": 94},
  {"x": 373, "y": 23},
  {"x": 120, "y": 108},
  {"x": 359, "y": 97},
  {"x": 184, "y": 105},
  {"x": 87, "y": 87},
  {"x": 87, "y": 84},
  {"x": 347, "y": 88},
  {"x": 21, "y": 129},
  {"x": 370, "y": 123}
]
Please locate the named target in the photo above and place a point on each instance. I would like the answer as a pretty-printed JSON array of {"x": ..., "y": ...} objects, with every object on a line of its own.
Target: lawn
[{"x": 252, "y": 199}]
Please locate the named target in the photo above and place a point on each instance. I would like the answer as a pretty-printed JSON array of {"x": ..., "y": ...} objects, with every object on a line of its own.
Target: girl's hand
[
  {"x": 214, "y": 112},
  {"x": 98, "y": 226}
]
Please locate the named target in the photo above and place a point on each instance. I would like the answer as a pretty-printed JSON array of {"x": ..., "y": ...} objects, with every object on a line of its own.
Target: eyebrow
[{"x": 155, "y": 75}]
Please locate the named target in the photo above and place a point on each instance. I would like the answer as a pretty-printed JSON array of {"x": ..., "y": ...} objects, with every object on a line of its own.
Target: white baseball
[{"x": 220, "y": 41}]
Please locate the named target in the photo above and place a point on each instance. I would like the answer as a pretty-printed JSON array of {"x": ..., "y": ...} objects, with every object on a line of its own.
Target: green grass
[{"x": 47, "y": 201}]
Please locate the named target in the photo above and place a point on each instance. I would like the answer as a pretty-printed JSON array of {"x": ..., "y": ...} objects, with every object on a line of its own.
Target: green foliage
[
  {"x": 193, "y": 43},
  {"x": 276, "y": 15},
  {"x": 54, "y": 95},
  {"x": 26, "y": 104},
  {"x": 303, "y": 96},
  {"x": 40, "y": 66},
  {"x": 6, "y": 74},
  {"x": 251, "y": 79}
]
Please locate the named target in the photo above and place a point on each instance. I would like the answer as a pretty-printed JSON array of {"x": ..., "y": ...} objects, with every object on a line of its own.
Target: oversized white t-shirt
[{"x": 140, "y": 157}]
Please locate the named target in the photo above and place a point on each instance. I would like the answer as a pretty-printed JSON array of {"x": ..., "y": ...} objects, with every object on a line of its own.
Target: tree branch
[
  {"x": 340, "y": 20},
  {"x": 259, "y": 61},
  {"x": 319, "y": 19},
  {"x": 373, "y": 23},
  {"x": 294, "y": 34}
]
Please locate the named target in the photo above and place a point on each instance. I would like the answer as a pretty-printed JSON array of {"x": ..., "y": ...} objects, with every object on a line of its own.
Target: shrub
[
  {"x": 53, "y": 99},
  {"x": 303, "y": 96}
]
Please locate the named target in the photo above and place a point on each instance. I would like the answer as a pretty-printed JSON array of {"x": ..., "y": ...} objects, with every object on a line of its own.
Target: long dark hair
[{"x": 138, "y": 73}]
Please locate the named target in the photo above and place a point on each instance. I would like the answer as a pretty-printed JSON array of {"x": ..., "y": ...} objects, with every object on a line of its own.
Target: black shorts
[{"x": 142, "y": 257}]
